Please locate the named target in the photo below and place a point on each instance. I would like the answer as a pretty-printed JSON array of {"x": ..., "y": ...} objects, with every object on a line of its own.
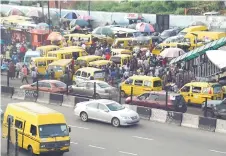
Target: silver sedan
[
  {"x": 103, "y": 90},
  {"x": 106, "y": 111}
]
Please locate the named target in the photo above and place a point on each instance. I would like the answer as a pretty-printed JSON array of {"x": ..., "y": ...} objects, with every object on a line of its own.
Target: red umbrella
[
  {"x": 85, "y": 17},
  {"x": 34, "y": 13},
  {"x": 55, "y": 36},
  {"x": 15, "y": 11},
  {"x": 145, "y": 27}
]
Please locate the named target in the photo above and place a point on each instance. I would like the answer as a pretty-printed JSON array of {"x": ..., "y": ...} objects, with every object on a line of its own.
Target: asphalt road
[
  {"x": 145, "y": 139},
  {"x": 18, "y": 83}
]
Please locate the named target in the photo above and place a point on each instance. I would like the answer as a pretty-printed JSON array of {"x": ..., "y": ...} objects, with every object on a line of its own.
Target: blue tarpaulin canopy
[{"x": 68, "y": 15}]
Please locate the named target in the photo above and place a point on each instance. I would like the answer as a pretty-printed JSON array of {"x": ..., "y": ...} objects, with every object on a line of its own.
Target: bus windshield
[{"x": 53, "y": 130}]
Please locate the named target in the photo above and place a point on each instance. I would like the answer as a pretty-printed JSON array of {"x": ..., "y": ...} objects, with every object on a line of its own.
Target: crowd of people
[{"x": 142, "y": 63}]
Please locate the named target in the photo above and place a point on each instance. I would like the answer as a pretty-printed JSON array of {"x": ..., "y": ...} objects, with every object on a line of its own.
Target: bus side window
[
  {"x": 41, "y": 64},
  {"x": 33, "y": 130},
  {"x": 84, "y": 74},
  {"x": 78, "y": 73},
  {"x": 49, "y": 61},
  {"x": 67, "y": 56},
  {"x": 18, "y": 124},
  {"x": 75, "y": 55}
]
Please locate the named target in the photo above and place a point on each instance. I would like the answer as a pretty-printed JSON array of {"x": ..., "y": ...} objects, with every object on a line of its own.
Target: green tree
[{"x": 155, "y": 7}]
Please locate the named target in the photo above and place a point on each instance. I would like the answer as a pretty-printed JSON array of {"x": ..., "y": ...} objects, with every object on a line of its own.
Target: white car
[{"x": 106, "y": 111}]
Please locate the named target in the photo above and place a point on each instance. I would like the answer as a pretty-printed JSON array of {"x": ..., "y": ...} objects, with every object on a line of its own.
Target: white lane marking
[
  {"x": 75, "y": 143},
  {"x": 127, "y": 153},
  {"x": 217, "y": 151},
  {"x": 96, "y": 147},
  {"x": 78, "y": 127},
  {"x": 142, "y": 138}
]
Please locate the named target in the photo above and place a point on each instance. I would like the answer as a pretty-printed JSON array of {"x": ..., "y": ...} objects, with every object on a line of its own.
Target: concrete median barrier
[
  {"x": 132, "y": 107},
  {"x": 7, "y": 91},
  {"x": 221, "y": 126},
  {"x": 43, "y": 97},
  {"x": 69, "y": 101},
  {"x": 81, "y": 99},
  {"x": 56, "y": 99},
  {"x": 158, "y": 115},
  {"x": 190, "y": 120},
  {"x": 207, "y": 124},
  {"x": 18, "y": 94},
  {"x": 174, "y": 118},
  {"x": 144, "y": 112}
]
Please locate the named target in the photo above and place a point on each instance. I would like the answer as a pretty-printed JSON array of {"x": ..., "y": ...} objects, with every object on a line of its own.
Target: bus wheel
[{"x": 30, "y": 151}]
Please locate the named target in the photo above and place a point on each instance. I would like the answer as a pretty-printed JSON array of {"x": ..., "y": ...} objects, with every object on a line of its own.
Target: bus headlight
[
  {"x": 42, "y": 145},
  {"x": 67, "y": 143}
]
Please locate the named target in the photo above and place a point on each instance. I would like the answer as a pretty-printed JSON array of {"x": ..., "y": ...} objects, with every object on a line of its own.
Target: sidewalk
[{"x": 12, "y": 150}]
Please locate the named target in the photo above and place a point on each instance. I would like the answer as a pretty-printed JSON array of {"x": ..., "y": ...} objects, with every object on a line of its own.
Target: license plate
[{"x": 180, "y": 106}]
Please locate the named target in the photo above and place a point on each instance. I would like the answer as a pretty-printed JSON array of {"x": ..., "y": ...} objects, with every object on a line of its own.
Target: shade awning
[{"x": 201, "y": 50}]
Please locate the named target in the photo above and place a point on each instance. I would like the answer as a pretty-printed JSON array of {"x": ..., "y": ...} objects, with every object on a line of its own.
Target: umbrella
[
  {"x": 34, "y": 13},
  {"x": 53, "y": 14},
  {"x": 171, "y": 52},
  {"x": 79, "y": 22},
  {"x": 103, "y": 31},
  {"x": 217, "y": 57},
  {"x": 77, "y": 27},
  {"x": 198, "y": 23},
  {"x": 85, "y": 17},
  {"x": 145, "y": 27},
  {"x": 42, "y": 26},
  {"x": 55, "y": 36},
  {"x": 15, "y": 11}
]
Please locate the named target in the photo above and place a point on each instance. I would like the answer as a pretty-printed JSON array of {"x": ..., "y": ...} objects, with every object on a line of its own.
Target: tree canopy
[{"x": 150, "y": 7}]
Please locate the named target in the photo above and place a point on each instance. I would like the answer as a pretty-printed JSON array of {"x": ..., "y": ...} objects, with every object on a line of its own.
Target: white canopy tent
[{"x": 217, "y": 57}]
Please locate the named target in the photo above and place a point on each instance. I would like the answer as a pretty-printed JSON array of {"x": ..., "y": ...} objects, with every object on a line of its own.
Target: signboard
[
  {"x": 31, "y": 94},
  {"x": 134, "y": 16}
]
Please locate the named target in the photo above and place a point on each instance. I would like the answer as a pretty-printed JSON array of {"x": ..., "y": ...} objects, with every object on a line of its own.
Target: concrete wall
[
  {"x": 101, "y": 18},
  {"x": 175, "y": 20}
]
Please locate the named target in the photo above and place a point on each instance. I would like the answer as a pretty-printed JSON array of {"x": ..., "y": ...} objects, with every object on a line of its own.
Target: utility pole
[
  {"x": 89, "y": 7},
  {"x": 43, "y": 14},
  {"x": 49, "y": 17},
  {"x": 60, "y": 12}
]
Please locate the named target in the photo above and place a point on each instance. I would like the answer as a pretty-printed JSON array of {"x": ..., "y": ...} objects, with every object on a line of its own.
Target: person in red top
[
  {"x": 107, "y": 56},
  {"x": 22, "y": 52},
  {"x": 25, "y": 73},
  {"x": 108, "y": 53}
]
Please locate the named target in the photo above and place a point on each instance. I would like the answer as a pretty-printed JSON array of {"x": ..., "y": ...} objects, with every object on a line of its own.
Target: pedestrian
[
  {"x": 25, "y": 73},
  {"x": 22, "y": 52},
  {"x": 11, "y": 70},
  {"x": 52, "y": 74},
  {"x": 18, "y": 69},
  {"x": 34, "y": 74}
]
